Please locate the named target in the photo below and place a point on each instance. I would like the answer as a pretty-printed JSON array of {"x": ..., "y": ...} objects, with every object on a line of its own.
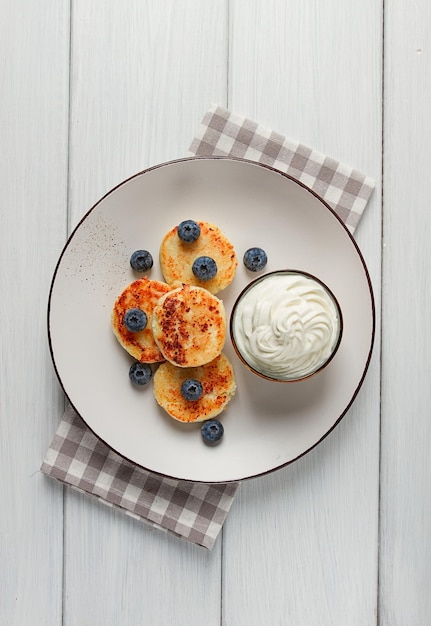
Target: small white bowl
[{"x": 286, "y": 326}]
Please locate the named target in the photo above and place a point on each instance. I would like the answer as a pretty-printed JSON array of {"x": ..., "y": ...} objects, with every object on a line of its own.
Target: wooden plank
[
  {"x": 143, "y": 74},
  {"x": 34, "y": 48},
  {"x": 406, "y": 399},
  {"x": 305, "y": 539}
]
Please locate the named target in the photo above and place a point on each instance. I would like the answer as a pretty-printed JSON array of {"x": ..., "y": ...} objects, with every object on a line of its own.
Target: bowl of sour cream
[{"x": 286, "y": 325}]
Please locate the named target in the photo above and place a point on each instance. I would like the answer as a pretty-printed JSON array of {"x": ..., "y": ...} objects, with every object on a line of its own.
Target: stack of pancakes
[{"x": 186, "y": 327}]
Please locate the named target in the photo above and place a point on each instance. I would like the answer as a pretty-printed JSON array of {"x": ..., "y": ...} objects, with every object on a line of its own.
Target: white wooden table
[{"x": 94, "y": 91}]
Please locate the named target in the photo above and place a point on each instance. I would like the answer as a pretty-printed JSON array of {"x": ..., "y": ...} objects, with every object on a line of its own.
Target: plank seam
[
  {"x": 382, "y": 166},
  {"x": 68, "y": 212}
]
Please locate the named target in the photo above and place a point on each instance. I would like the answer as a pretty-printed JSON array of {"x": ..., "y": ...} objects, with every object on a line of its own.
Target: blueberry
[
  {"x": 140, "y": 373},
  {"x": 189, "y": 231},
  {"x": 204, "y": 268},
  {"x": 212, "y": 431},
  {"x": 255, "y": 259},
  {"x": 191, "y": 389},
  {"x": 135, "y": 320},
  {"x": 141, "y": 261}
]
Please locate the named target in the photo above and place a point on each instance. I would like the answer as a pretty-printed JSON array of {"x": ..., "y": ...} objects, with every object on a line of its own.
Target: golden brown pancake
[
  {"x": 218, "y": 382},
  {"x": 143, "y": 294},
  {"x": 177, "y": 257},
  {"x": 189, "y": 326}
]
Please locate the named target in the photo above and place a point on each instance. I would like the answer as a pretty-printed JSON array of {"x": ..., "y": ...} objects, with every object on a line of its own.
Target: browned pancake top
[
  {"x": 218, "y": 383},
  {"x": 143, "y": 294},
  {"x": 177, "y": 257},
  {"x": 189, "y": 326}
]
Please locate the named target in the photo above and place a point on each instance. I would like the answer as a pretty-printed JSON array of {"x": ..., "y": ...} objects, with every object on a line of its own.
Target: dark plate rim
[{"x": 297, "y": 182}]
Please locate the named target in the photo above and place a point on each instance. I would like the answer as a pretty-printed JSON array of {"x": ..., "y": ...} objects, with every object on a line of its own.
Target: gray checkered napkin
[
  {"x": 197, "y": 511},
  {"x": 346, "y": 190}
]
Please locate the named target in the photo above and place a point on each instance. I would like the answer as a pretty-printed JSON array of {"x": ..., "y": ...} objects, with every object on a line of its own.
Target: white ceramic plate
[{"x": 267, "y": 425}]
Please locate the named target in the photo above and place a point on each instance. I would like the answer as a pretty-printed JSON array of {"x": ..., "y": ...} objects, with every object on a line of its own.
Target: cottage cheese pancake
[
  {"x": 218, "y": 383},
  {"x": 141, "y": 294},
  {"x": 177, "y": 257},
  {"x": 189, "y": 326}
]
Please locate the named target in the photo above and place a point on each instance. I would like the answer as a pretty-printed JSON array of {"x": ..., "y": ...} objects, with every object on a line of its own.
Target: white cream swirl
[{"x": 286, "y": 325}]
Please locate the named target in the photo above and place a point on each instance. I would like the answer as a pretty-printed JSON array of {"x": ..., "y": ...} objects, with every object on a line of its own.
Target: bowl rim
[{"x": 250, "y": 286}]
